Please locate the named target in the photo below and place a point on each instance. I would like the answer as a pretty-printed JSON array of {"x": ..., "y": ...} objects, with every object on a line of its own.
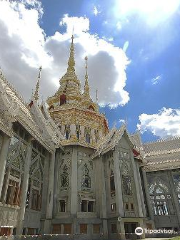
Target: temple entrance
[{"x": 130, "y": 230}]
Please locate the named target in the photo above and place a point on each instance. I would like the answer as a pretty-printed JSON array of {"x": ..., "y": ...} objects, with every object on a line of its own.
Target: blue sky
[{"x": 133, "y": 48}]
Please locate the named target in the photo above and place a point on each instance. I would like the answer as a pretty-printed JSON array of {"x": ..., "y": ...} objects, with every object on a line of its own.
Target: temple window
[
  {"x": 87, "y": 206},
  {"x": 67, "y": 131},
  {"x": 126, "y": 182},
  {"x": 12, "y": 196},
  {"x": 160, "y": 198},
  {"x": 36, "y": 200},
  {"x": 86, "y": 181},
  {"x": 113, "y": 207},
  {"x": 14, "y": 170},
  {"x": 112, "y": 184},
  {"x": 87, "y": 134},
  {"x": 176, "y": 179},
  {"x": 65, "y": 177},
  {"x": 35, "y": 188},
  {"x": 62, "y": 99},
  {"x": 62, "y": 206},
  {"x": 78, "y": 131}
]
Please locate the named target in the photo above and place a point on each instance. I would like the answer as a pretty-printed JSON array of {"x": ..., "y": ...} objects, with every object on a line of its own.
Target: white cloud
[
  {"x": 24, "y": 47},
  {"x": 119, "y": 25},
  {"x": 126, "y": 45},
  {"x": 122, "y": 121},
  {"x": 165, "y": 123},
  {"x": 156, "y": 80},
  {"x": 96, "y": 11}
]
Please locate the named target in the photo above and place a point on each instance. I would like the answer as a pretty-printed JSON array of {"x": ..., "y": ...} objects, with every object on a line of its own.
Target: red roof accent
[{"x": 136, "y": 153}]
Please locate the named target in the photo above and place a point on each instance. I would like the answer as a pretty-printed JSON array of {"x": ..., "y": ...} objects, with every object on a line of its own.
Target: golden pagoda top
[
  {"x": 69, "y": 92},
  {"x": 75, "y": 113}
]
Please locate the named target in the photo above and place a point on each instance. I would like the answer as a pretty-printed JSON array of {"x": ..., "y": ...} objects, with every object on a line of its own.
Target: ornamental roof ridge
[
  {"x": 160, "y": 152},
  {"x": 13, "y": 89},
  {"x": 165, "y": 139}
]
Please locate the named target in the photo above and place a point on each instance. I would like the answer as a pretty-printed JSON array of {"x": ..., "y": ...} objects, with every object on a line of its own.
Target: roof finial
[
  {"x": 36, "y": 93},
  {"x": 71, "y": 62}
]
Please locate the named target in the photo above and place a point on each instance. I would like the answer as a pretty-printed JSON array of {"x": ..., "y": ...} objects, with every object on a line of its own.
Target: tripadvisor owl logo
[{"x": 139, "y": 231}]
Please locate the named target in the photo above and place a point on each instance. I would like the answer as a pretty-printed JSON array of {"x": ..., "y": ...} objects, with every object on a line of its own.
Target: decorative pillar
[
  {"x": 49, "y": 207},
  {"x": 141, "y": 190},
  {"x": 137, "y": 189},
  {"x": 149, "y": 206},
  {"x": 24, "y": 189},
  {"x": 45, "y": 186},
  {"x": 121, "y": 230},
  {"x": 3, "y": 157},
  {"x": 74, "y": 197},
  {"x": 5, "y": 185},
  {"x": 103, "y": 199},
  {"x": 118, "y": 184}
]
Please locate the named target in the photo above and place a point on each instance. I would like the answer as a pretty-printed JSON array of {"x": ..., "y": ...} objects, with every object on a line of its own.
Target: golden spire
[
  {"x": 36, "y": 93},
  {"x": 86, "y": 85},
  {"x": 71, "y": 62}
]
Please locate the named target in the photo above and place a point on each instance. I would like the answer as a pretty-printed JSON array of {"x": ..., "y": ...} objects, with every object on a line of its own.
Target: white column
[
  {"x": 3, "y": 157},
  {"x": 74, "y": 198},
  {"x": 50, "y": 195},
  {"x": 118, "y": 184},
  {"x": 137, "y": 189},
  {"x": 141, "y": 190},
  {"x": 24, "y": 189},
  {"x": 50, "y": 187},
  {"x": 103, "y": 199},
  {"x": 45, "y": 186}
]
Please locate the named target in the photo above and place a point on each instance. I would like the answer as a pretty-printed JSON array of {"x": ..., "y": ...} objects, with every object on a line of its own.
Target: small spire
[
  {"x": 96, "y": 96},
  {"x": 36, "y": 93},
  {"x": 86, "y": 85},
  {"x": 71, "y": 62}
]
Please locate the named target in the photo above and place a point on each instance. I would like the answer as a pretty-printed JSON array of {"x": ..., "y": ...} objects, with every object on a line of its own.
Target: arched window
[
  {"x": 88, "y": 139},
  {"x": 86, "y": 181},
  {"x": 160, "y": 197}
]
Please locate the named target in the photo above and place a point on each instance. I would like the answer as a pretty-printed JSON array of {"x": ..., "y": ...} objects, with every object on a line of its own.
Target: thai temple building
[{"x": 63, "y": 171}]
